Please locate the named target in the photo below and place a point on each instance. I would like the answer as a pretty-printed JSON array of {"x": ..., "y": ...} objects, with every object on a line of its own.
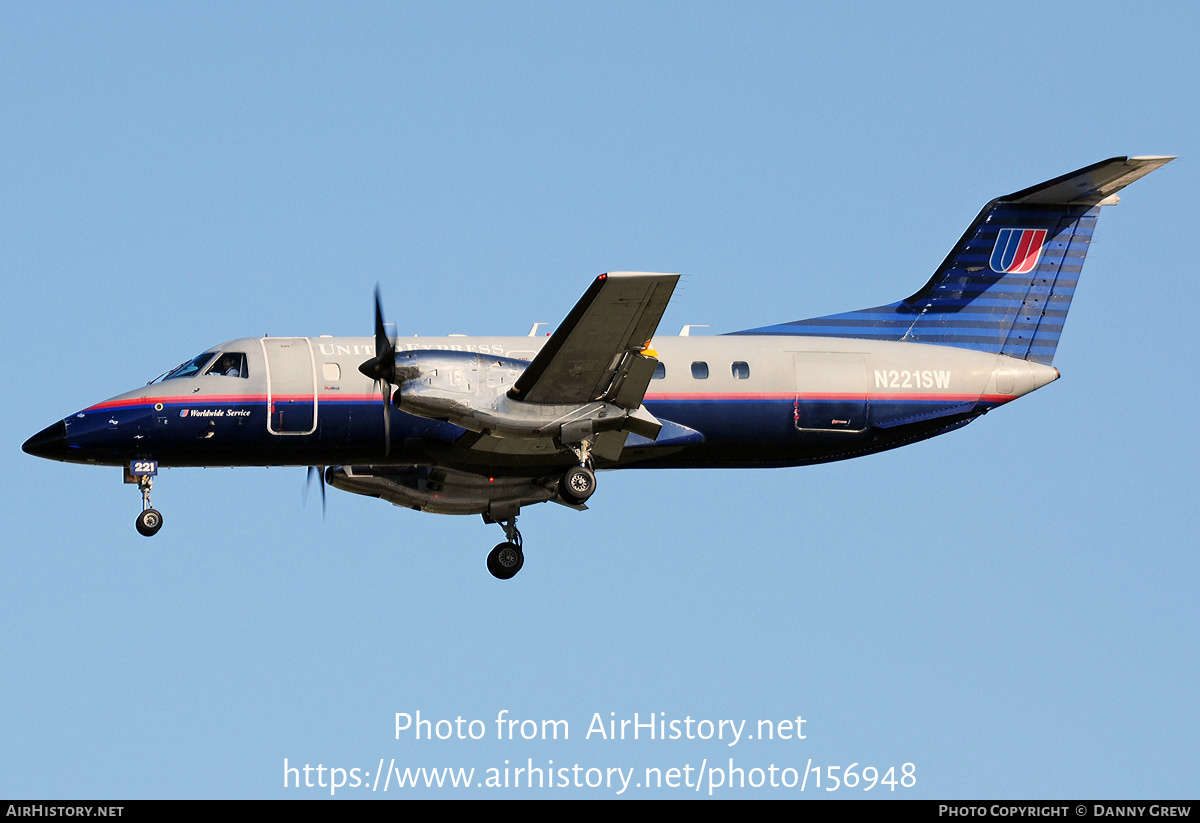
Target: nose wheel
[{"x": 148, "y": 522}]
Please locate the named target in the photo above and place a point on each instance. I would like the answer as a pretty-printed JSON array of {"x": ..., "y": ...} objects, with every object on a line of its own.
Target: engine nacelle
[
  {"x": 434, "y": 490},
  {"x": 471, "y": 390}
]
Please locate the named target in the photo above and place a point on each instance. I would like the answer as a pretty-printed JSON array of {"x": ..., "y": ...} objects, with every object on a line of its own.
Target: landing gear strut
[
  {"x": 506, "y": 559},
  {"x": 150, "y": 520}
]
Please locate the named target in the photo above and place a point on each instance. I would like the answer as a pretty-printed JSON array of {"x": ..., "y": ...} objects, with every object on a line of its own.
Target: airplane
[{"x": 490, "y": 425}]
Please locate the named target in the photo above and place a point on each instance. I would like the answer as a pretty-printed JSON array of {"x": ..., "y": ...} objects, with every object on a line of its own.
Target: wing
[{"x": 596, "y": 354}]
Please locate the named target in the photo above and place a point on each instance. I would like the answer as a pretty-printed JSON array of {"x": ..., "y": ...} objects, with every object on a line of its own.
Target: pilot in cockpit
[{"x": 229, "y": 365}]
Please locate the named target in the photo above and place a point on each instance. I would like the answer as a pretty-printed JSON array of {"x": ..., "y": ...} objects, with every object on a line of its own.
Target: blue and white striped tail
[{"x": 1007, "y": 285}]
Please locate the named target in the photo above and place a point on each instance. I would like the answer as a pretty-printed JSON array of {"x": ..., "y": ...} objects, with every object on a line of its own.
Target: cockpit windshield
[{"x": 189, "y": 368}]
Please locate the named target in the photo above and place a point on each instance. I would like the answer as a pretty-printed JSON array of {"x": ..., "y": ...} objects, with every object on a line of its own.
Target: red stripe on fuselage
[
  {"x": 658, "y": 397},
  {"x": 224, "y": 399},
  {"x": 666, "y": 397}
]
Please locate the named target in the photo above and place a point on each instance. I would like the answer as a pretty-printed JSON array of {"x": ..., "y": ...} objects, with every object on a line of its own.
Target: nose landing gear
[{"x": 142, "y": 473}]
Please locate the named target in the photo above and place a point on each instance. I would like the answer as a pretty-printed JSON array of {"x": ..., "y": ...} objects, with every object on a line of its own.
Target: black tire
[
  {"x": 505, "y": 560},
  {"x": 577, "y": 484},
  {"x": 149, "y": 522}
]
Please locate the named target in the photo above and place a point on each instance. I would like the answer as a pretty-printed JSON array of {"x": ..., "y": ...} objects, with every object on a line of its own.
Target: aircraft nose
[{"x": 50, "y": 442}]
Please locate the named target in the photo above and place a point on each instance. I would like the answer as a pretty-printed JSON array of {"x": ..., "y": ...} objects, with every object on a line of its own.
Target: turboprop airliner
[{"x": 490, "y": 425}]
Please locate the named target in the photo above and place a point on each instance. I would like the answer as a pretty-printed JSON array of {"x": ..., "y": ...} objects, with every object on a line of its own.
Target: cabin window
[
  {"x": 700, "y": 370},
  {"x": 741, "y": 370},
  {"x": 332, "y": 372},
  {"x": 660, "y": 371}
]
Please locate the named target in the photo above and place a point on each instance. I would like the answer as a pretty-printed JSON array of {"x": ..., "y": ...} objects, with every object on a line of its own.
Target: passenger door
[{"x": 291, "y": 385}]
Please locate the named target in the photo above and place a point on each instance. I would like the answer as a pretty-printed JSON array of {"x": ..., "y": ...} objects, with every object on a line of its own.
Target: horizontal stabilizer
[{"x": 1092, "y": 185}]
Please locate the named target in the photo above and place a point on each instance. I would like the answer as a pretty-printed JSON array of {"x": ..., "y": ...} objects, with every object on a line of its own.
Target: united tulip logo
[{"x": 1017, "y": 251}]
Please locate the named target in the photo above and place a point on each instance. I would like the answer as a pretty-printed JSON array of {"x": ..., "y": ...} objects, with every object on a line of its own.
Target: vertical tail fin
[{"x": 1008, "y": 283}]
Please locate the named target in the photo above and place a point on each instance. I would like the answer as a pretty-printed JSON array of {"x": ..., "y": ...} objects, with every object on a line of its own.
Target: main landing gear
[
  {"x": 575, "y": 486},
  {"x": 578, "y": 482},
  {"x": 506, "y": 559}
]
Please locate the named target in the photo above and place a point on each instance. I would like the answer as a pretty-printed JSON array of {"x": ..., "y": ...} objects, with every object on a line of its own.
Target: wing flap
[{"x": 629, "y": 385}]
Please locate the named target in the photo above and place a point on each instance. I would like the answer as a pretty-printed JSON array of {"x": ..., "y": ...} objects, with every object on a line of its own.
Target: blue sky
[{"x": 1010, "y": 607}]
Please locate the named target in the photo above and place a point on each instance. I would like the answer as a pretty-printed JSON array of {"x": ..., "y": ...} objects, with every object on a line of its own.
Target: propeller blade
[
  {"x": 382, "y": 369},
  {"x": 383, "y": 365},
  {"x": 320, "y": 470}
]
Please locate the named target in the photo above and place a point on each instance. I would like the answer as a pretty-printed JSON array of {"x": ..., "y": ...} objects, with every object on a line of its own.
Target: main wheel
[
  {"x": 577, "y": 484},
  {"x": 148, "y": 522},
  {"x": 505, "y": 560}
]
